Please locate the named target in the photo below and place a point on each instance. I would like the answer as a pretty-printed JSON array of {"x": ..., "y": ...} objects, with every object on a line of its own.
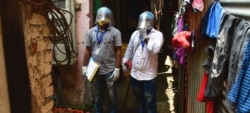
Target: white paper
[{"x": 91, "y": 69}]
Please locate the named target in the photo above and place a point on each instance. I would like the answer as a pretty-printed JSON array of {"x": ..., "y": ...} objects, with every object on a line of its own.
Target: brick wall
[{"x": 39, "y": 56}]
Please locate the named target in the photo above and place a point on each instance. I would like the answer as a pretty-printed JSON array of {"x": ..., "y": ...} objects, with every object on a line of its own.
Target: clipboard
[{"x": 92, "y": 69}]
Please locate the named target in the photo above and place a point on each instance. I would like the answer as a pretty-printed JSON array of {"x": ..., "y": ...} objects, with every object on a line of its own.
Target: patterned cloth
[{"x": 240, "y": 92}]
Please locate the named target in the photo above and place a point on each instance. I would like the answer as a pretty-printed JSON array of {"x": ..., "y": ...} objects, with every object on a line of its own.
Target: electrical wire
[{"x": 59, "y": 27}]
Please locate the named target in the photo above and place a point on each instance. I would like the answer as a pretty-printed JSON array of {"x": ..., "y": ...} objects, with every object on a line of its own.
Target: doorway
[{"x": 126, "y": 14}]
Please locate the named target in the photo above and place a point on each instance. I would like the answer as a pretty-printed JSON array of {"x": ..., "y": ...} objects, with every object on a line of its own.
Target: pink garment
[
  {"x": 198, "y": 4},
  {"x": 181, "y": 39}
]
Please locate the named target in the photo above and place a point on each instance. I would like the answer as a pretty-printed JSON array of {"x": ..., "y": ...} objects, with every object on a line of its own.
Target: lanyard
[
  {"x": 142, "y": 41},
  {"x": 99, "y": 39}
]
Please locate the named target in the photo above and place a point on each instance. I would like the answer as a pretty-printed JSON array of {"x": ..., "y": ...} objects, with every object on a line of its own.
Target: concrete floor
[
  {"x": 126, "y": 98},
  {"x": 127, "y": 101}
]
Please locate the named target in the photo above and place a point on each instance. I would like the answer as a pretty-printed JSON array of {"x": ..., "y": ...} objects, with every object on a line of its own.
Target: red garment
[
  {"x": 210, "y": 106},
  {"x": 129, "y": 64},
  {"x": 181, "y": 39},
  {"x": 201, "y": 97}
]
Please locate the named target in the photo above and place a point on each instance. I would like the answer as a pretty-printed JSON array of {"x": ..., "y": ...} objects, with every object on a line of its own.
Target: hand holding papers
[{"x": 91, "y": 69}]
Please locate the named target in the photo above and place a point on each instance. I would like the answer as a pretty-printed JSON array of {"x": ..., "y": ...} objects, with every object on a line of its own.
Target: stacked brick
[{"x": 39, "y": 57}]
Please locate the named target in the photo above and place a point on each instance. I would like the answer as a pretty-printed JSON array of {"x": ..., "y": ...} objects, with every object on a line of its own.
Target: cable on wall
[{"x": 59, "y": 29}]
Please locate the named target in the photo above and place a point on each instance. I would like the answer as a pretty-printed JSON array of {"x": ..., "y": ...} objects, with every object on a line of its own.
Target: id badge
[
  {"x": 97, "y": 51},
  {"x": 142, "y": 56}
]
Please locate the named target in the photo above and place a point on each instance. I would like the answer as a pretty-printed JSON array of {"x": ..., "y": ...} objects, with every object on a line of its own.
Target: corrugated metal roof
[{"x": 239, "y": 8}]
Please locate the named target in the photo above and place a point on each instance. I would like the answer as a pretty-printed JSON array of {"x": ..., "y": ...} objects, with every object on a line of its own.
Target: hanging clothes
[
  {"x": 181, "y": 39},
  {"x": 210, "y": 54},
  {"x": 180, "y": 24},
  {"x": 201, "y": 92},
  {"x": 178, "y": 19},
  {"x": 198, "y": 4},
  {"x": 218, "y": 69},
  {"x": 240, "y": 92},
  {"x": 180, "y": 54},
  {"x": 210, "y": 106},
  {"x": 200, "y": 96},
  {"x": 228, "y": 53},
  {"x": 231, "y": 58},
  {"x": 175, "y": 24},
  {"x": 212, "y": 19},
  {"x": 240, "y": 38},
  {"x": 206, "y": 65}
]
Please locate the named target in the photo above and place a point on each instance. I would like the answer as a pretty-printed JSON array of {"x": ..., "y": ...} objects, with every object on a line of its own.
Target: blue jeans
[
  {"x": 145, "y": 93},
  {"x": 100, "y": 82}
]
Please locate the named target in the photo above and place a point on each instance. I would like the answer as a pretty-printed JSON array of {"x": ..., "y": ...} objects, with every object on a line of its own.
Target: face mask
[
  {"x": 104, "y": 16},
  {"x": 103, "y": 23},
  {"x": 145, "y": 20}
]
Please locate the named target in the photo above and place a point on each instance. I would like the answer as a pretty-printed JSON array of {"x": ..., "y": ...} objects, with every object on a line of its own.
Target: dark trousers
[
  {"x": 100, "y": 82},
  {"x": 145, "y": 92}
]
